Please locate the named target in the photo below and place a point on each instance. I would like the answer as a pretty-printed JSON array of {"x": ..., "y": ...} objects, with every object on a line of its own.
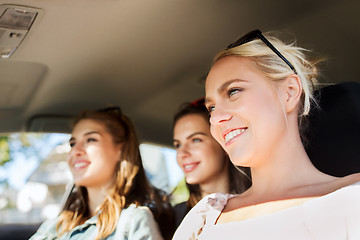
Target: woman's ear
[{"x": 293, "y": 88}]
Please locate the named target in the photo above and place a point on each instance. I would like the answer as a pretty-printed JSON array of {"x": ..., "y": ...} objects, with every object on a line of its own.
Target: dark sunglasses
[{"x": 257, "y": 34}]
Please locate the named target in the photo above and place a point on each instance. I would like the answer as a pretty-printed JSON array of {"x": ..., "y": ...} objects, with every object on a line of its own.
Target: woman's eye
[
  {"x": 176, "y": 145},
  {"x": 72, "y": 144},
  {"x": 91, "y": 140},
  {"x": 233, "y": 91},
  {"x": 211, "y": 109},
  {"x": 196, "y": 140}
]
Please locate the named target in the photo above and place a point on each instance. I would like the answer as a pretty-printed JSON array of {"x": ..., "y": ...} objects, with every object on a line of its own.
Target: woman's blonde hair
[
  {"x": 131, "y": 184},
  {"x": 276, "y": 70}
]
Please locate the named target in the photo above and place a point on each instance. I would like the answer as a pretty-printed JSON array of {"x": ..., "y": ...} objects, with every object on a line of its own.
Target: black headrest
[{"x": 334, "y": 130}]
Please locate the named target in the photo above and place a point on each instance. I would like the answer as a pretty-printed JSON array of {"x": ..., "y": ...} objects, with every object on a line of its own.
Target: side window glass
[
  {"x": 163, "y": 171},
  {"x": 33, "y": 176}
]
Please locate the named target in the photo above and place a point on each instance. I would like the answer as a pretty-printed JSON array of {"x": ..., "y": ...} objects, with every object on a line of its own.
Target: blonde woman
[
  {"x": 258, "y": 92},
  {"x": 113, "y": 198}
]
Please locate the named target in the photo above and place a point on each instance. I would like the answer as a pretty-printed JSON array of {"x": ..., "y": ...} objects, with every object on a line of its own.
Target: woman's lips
[
  {"x": 80, "y": 164},
  {"x": 233, "y": 134},
  {"x": 190, "y": 167}
]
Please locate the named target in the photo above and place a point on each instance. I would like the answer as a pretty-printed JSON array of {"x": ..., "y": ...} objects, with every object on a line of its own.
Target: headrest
[{"x": 334, "y": 130}]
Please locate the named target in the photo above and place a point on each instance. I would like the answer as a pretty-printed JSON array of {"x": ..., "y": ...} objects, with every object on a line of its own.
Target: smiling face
[
  {"x": 247, "y": 117},
  {"x": 198, "y": 154},
  {"x": 94, "y": 155}
]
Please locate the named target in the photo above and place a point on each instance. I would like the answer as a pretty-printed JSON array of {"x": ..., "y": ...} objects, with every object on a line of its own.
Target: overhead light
[
  {"x": 14, "y": 25},
  {"x": 19, "y": 19}
]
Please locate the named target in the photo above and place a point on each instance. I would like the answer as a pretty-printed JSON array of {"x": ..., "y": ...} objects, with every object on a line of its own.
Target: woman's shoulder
[
  {"x": 349, "y": 180},
  {"x": 329, "y": 186},
  {"x": 136, "y": 212},
  {"x": 204, "y": 213},
  {"x": 47, "y": 230},
  {"x": 137, "y": 222},
  {"x": 353, "y": 178}
]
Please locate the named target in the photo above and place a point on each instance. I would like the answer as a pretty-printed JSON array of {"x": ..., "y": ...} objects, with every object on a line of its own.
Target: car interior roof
[{"x": 150, "y": 56}]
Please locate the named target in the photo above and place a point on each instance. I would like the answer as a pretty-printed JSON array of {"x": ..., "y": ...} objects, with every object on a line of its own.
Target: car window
[
  {"x": 163, "y": 171},
  {"x": 35, "y": 179},
  {"x": 34, "y": 176}
]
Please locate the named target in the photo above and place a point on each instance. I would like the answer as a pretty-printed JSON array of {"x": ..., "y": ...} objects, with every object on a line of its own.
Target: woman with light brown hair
[{"x": 113, "y": 198}]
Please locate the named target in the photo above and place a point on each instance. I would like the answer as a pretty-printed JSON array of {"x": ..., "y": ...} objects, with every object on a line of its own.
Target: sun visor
[{"x": 18, "y": 83}]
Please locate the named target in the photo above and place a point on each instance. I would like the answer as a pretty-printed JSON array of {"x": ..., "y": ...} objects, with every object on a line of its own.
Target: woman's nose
[
  {"x": 77, "y": 149},
  {"x": 183, "y": 151},
  {"x": 219, "y": 116}
]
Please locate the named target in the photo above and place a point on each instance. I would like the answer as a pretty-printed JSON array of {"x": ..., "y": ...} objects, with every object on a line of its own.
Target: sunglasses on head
[
  {"x": 256, "y": 34},
  {"x": 112, "y": 110}
]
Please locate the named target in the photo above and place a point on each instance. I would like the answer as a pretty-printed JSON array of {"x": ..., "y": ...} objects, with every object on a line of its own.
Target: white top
[{"x": 334, "y": 216}]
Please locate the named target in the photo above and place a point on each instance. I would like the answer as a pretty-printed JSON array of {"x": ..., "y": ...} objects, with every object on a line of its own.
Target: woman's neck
[
  {"x": 97, "y": 195},
  {"x": 96, "y": 198},
  {"x": 284, "y": 171}
]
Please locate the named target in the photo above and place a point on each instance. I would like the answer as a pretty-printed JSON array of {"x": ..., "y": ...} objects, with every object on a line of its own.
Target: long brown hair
[
  {"x": 239, "y": 177},
  {"x": 131, "y": 185}
]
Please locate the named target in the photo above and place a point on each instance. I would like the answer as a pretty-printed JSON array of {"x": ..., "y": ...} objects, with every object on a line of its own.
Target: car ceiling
[{"x": 149, "y": 56}]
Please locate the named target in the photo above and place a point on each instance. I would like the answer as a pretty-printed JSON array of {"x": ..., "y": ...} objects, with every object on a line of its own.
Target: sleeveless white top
[{"x": 335, "y": 216}]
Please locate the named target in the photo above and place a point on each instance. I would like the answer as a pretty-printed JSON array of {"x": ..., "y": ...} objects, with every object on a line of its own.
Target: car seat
[{"x": 333, "y": 133}]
